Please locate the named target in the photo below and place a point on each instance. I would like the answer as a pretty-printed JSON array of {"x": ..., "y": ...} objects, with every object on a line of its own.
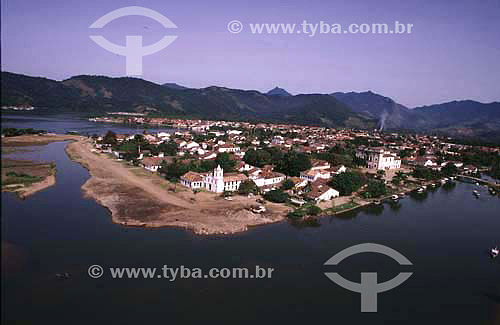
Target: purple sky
[{"x": 453, "y": 52}]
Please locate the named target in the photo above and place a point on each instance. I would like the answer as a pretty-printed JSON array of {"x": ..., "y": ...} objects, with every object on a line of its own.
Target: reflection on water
[
  {"x": 444, "y": 234},
  {"x": 64, "y": 123}
]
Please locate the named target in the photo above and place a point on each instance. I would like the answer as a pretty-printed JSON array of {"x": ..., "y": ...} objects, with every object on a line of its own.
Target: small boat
[
  {"x": 420, "y": 190},
  {"x": 476, "y": 193},
  {"x": 494, "y": 252},
  {"x": 63, "y": 276},
  {"x": 477, "y": 184},
  {"x": 402, "y": 194},
  {"x": 424, "y": 187},
  {"x": 377, "y": 202},
  {"x": 433, "y": 185},
  {"x": 394, "y": 197}
]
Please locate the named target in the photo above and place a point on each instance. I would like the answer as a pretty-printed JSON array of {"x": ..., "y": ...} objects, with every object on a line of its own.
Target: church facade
[{"x": 216, "y": 181}]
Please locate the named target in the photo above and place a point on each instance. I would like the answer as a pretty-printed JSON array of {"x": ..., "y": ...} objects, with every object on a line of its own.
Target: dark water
[
  {"x": 64, "y": 123},
  {"x": 444, "y": 233}
]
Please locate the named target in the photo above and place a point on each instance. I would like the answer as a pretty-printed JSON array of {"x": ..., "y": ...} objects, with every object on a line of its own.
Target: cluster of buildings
[{"x": 204, "y": 140}]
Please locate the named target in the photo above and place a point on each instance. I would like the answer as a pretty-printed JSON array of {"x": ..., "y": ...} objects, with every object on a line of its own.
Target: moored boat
[{"x": 494, "y": 252}]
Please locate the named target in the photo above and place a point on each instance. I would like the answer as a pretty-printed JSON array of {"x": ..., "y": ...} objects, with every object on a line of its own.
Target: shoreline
[
  {"x": 24, "y": 188},
  {"x": 138, "y": 198}
]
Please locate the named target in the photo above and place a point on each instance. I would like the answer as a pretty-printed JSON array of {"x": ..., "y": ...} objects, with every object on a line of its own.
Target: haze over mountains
[{"x": 99, "y": 94}]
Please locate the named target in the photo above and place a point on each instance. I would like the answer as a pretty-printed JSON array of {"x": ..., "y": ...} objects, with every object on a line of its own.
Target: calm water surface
[{"x": 445, "y": 233}]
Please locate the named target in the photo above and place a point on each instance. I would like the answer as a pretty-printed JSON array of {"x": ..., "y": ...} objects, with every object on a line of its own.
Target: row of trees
[
  {"x": 429, "y": 174},
  {"x": 13, "y": 132},
  {"x": 348, "y": 182},
  {"x": 174, "y": 170},
  {"x": 290, "y": 163},
  {"x": 131, "y": 147}
]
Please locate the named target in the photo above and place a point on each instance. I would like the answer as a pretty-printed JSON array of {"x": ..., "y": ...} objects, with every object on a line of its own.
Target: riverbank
[
  {"x": 136, "y": 197},
  {"x": 26, "y": 177}
]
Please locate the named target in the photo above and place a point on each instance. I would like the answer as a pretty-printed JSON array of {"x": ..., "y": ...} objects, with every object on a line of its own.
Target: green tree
[
  {"x": 347, "y": 183},
  {"x": 277, "y": 196},
  {"x": 109, "y": 138},
  {"x": 248, "y": 186},
  {"x": 449, "y": 169},
  {"x": 495, "y": 169},
  {"x": 174, "y": 170},
  {"x": 257, "y": 158},
  {"x": 375, "y": 189},
  {"x": 313, "y": 210},
  {"x": 425, "y": 173},
  {"x": 170, "y": 148},
  {"x": 293, "y": 163},
  {"x": 288, "y": 184},
  {"x": 224, "y": 160}
]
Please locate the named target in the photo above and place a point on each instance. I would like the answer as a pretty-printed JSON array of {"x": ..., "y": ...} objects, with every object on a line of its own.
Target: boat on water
[
  {"x": 492, "y": 191},
  {"x": 433, "y": 185},
  {"x": 63, "y": 276},
  {"x": 477, "y": 184},
  {"x": 476, "y": 193},
  {"x": 420, "y": 190},
  {"x": 494, "y": 252},
  {"x": 377, "y": 202},
  {"x": 424, "y": 187},
  {"x": 394, "y": 197}
]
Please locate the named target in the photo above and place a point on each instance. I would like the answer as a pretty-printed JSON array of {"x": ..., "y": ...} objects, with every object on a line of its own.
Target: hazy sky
[{"x": 452, "y": 53}]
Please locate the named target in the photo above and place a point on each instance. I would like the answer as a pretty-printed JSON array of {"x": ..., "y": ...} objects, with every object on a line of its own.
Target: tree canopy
[
  {"x": 293, "y": 163},
  {"x": 347, "y": 183}
]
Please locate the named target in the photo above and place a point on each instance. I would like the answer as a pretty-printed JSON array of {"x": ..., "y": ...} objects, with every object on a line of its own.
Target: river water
[{"x": 445, "y": 233}]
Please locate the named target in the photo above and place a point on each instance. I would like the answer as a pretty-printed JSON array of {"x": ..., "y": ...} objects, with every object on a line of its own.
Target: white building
[
  {"x": 192, "y": 180},
  {"x": 268, "y": 178},
  {"x": 215, "y": 181},
  {"x": 153, "y": 163},
  {"x": 322, "y": 192},
  {"x": 228, "y": 148},
  {"x": 314, "y": 174},
  {"x": 379, "y": 158}
]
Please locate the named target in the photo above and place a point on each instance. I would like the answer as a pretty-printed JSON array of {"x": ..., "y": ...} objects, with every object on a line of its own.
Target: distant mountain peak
[
  {"x": 277, "y": 91},
  {"x": 173, "y": 85}
]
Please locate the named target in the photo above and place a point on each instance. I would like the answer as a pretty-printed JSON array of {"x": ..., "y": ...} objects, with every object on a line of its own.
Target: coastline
[
  {"x": 136, "y": 197},
  {"x": 43, "y": 170}
]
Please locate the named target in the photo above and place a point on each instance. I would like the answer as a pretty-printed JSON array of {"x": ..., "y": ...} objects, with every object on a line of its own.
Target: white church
[{"x": 216, "y": 181}]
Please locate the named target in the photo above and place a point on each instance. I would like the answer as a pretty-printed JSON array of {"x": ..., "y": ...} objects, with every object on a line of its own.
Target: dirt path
[
  {"x": 137, "y": 197},
  {"x": 104, "y": 167}
]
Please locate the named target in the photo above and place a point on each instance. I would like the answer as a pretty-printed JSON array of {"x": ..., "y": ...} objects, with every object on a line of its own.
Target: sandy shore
[
  {"x": 137, "y": 197},
  {"x": 39, "y": 169}
]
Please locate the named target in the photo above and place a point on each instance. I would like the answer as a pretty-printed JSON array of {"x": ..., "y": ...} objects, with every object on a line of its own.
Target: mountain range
[
  {"x": 100, "y": 94},
  {"x": 465, "y": 118}
]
